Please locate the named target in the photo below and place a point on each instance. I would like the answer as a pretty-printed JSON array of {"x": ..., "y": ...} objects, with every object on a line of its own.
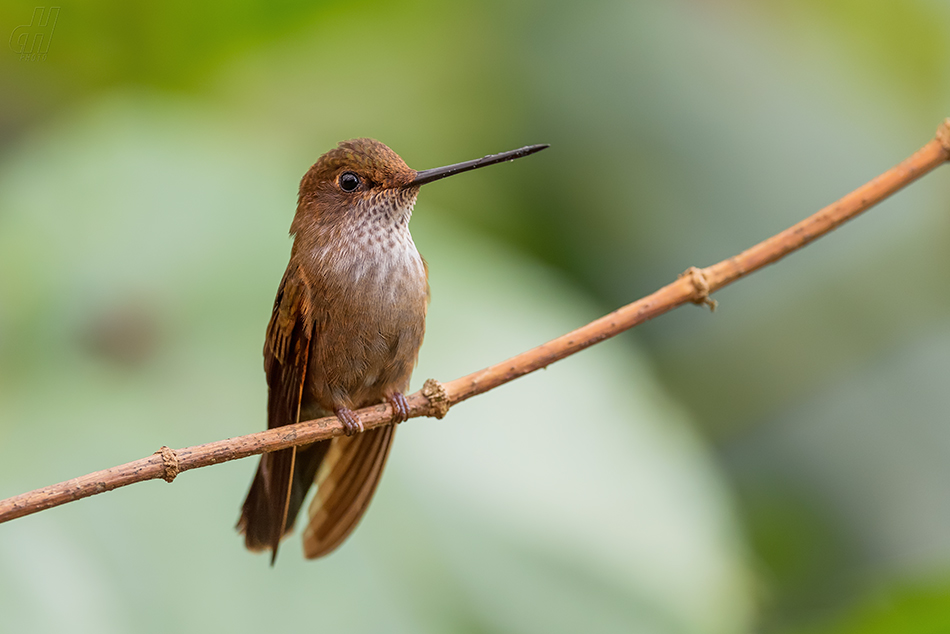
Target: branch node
[
  {"x": 943, "y": 134},
  {"x": 698, "y": 278},
  {"x": 170, "y": 461},
  {"x": 438, "y": 398}
]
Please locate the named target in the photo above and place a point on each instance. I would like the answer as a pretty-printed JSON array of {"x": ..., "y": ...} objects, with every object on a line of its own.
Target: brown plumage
[{"x": 345, "y": 333}]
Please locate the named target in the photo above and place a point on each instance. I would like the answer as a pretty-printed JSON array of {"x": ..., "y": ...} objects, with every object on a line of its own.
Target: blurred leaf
[
  {"x": 905, "y": 609},
  {"x": 903, "y": 41}
]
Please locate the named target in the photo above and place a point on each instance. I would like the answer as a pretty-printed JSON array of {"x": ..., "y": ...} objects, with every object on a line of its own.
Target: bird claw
[
  {"x": 351, "y": 421},
  {"x": 400, "y": 407}
]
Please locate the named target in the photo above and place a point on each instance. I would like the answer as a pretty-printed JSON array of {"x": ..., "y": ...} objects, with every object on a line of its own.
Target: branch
[{"x": 695, "y": 285}]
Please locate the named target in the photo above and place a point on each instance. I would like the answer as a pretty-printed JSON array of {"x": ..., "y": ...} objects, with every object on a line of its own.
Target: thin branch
[{"x": 435, "y": 398}]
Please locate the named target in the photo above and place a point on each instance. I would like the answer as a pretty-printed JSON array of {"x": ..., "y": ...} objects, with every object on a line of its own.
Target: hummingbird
[{"x": 344, "y": 333}]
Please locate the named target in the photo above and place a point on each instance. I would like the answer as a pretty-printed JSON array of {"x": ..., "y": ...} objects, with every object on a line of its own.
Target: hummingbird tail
[
  {"x": 346, "y": 482},
  {"x": 270, "y": 509}
]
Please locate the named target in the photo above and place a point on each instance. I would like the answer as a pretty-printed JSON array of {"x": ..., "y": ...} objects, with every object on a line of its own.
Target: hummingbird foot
[
  {"x": 400, "y": 407},
  {"x": 351, "y": 421}
]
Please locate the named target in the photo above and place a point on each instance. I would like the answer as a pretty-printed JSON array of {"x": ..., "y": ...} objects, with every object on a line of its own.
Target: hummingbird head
[
  {"x": 355, "y": 181},
  {"x": 362, "y": 186}
]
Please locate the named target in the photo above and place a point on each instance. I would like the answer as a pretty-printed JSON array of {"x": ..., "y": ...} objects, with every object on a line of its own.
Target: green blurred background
[{"x": 779, "y": 466}]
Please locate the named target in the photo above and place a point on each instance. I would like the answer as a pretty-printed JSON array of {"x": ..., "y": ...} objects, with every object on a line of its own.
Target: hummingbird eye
[{"x": 349, "y": 181}]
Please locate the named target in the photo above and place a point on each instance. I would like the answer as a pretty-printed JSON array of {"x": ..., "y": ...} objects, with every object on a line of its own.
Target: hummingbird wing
[
  {"x": 286, "y": 353},
  {"x": 346, "y": 481}
]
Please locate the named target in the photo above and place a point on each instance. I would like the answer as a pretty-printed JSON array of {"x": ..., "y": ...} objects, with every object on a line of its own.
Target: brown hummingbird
[{"x": 345, "y": 333}]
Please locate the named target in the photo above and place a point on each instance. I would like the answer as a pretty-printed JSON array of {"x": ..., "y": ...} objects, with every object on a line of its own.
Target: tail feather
[
  {"x": 347, "y": 470},
  {"x": 346, "y": 482},
  {"x": 270, "y": 510}
]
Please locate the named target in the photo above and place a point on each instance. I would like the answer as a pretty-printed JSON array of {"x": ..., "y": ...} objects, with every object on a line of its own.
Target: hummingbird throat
[{"x": 375, "y": 245}]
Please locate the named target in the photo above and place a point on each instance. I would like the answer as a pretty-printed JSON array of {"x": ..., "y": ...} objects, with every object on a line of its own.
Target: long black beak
[{"x": 427, "y": 176}]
